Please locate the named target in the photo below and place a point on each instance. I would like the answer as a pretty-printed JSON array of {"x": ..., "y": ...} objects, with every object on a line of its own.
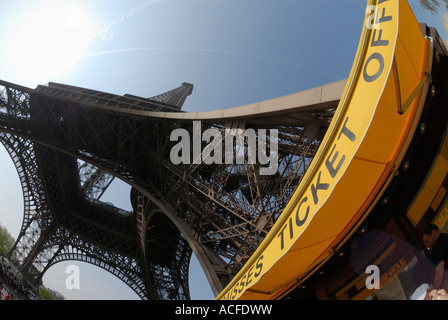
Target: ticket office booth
[
  {"x": 418, "y": 198},
  {"x": 390, "y": 238}
]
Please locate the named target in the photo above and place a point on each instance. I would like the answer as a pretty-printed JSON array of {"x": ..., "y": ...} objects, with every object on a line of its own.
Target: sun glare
[{"x": 49, "y": 42}]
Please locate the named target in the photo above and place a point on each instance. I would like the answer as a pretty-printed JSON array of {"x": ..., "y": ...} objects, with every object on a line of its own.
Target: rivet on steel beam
[
  {"x": 406, "y": 166},
  {"x": 423, "y": 128}
]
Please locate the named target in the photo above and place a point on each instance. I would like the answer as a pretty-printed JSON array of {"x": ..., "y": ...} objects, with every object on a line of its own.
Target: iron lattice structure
[{"x": 68, "y": 143}]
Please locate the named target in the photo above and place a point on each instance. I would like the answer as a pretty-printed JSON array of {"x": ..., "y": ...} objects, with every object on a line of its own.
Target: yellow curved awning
[{"x": 370, "y": 131}]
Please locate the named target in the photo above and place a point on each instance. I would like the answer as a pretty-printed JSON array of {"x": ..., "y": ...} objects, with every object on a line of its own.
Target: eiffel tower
[{"x": 68, "y": 143}]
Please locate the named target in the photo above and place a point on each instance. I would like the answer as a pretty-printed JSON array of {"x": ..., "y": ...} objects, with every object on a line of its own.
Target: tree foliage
[
  {"x": 6, "y": 241},
  {"x": 433, "y": 5},
  {"x": 45, "y": 294}
]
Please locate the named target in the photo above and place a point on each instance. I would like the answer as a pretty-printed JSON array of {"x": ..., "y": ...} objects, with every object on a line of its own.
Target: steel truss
[{"x": 68, "y": 143}]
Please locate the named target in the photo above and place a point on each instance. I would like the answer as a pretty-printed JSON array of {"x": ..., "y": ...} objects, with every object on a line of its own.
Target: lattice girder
[{"x": 228, "y": 207}]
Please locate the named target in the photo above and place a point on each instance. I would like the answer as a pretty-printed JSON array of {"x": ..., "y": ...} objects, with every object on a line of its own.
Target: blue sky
[{"x": 235, "y": 52}]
